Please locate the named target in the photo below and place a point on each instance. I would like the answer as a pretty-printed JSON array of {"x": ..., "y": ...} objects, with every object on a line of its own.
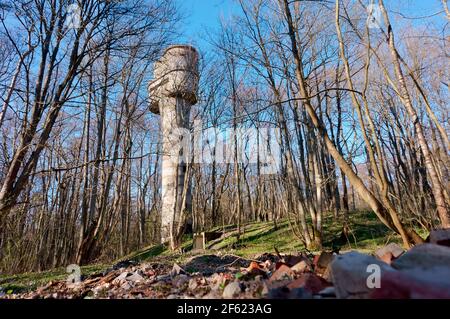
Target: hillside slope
[{"x": 256, "y": 239}]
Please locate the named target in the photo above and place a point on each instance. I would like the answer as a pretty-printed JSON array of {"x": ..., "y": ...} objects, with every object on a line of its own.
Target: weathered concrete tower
[{"x": 172, "y": 93}]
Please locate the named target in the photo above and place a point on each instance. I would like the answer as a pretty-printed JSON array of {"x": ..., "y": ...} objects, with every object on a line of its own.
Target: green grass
[
  {"x": 30, "y": 281},
  {"x": 145, "y": 253},
  {"x": 367, "y": 233},
  {"x": 259, "y": 238}
]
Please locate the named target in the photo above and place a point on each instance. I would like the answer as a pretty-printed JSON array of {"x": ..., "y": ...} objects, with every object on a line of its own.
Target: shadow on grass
[
  {"x": 209, "y": 264},
  {"x": 256, "y": 233},
  {"x": 366, "y": 230},
  {"x": 249, "y": 239},
  {"x": 146, "y": 253}
]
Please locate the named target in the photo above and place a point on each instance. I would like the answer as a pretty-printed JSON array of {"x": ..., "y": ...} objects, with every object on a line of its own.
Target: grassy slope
[{"x": 367, "y": 233}]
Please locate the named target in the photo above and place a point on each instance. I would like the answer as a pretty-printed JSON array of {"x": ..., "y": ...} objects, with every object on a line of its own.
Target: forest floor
[{"x": 267, "y": 261}]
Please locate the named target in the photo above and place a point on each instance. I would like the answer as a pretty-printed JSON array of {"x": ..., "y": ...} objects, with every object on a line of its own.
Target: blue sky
[{"x": 203, "y": 16}]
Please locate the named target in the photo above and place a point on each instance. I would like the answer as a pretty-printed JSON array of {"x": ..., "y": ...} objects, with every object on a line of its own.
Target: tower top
[{"x": 175, "y": 75}]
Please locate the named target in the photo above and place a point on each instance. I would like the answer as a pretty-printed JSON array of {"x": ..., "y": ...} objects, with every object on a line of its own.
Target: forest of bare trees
[{"x": 362, "y": 110}]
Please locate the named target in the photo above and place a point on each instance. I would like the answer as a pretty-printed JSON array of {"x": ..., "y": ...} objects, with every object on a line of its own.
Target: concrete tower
[{"x": 172, "y": 93}]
